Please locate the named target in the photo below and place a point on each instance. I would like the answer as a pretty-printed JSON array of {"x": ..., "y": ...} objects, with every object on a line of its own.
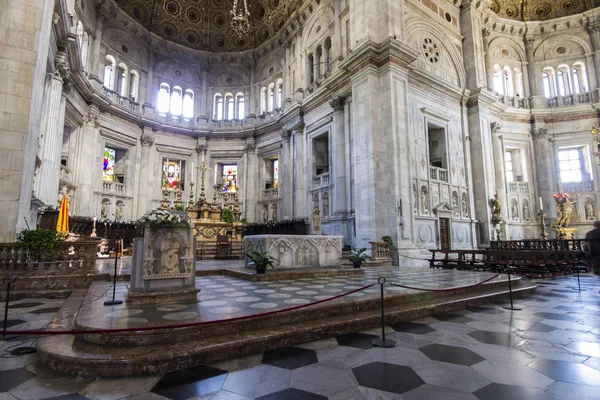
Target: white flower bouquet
[{"x": 158, "y": 218}]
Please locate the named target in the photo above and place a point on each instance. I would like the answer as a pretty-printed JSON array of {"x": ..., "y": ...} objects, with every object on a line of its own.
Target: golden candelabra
[{"x": 542, "y": 216}]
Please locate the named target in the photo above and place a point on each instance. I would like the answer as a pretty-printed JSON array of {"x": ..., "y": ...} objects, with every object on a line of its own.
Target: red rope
[
  {"x": 162, "y": 327},
  {"x": 449, "y": 289}
]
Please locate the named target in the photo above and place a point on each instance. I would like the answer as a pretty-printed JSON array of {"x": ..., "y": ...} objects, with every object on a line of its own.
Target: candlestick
[
  {"x": 541, "y": 204},
  {"x": 543, "y": 224},
  {"x": 94, "y": 228}
]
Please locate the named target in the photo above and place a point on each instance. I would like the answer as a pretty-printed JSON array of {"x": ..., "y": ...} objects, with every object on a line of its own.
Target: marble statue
[
  {"x": 526, "y": 212},
  {"x": 119, "y": 211},
  {"x": 265, "y": 213},
  {"x": 325, "y": 205},
  {"x": 424, "y": 201},
  {"x": 496, "y": 210},
  {"x": 514, "y": 211},
  {"x": 104, "y": 210},
  {"x": 316, "y": 214},
  {"x": 415, "y": 207},
  {"x": 455, "y": 204},
  {"x": 169, "y": 258},
  {"x": 274, "y": 213},
  {"x": 465, "y": 206},
  {"x": 590, "y": 213}
]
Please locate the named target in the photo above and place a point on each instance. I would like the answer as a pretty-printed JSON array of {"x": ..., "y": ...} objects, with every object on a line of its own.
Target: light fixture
[{"x": 240, "y": 21}]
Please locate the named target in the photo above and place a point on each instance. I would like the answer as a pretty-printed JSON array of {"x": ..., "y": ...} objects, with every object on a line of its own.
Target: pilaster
[{"x": 145, "y": 193}]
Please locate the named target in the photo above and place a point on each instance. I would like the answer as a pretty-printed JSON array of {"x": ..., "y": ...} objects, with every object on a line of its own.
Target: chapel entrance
[{"x": 445, "y": 234}]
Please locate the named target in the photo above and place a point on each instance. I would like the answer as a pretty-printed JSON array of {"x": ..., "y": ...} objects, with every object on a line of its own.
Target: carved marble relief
[
  {"x": 325, "y": 205},
  {"x": 424, "y": 200},
  {"x": 455, "y": 208},
  {"x": 514, "y": 210},
  {"x": 297, "y": 251},
  {"x": 168, "y": 253},
  {"x": 316, "y": 214},
  {"x": 415, "y": 205},
  {"x": 465, "y": 205},
  {"x": 526, "y": 211}
]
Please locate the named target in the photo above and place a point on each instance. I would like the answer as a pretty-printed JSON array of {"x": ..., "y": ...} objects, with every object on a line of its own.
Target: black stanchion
[
  {"x": 7, "y": 280},
  {"x": 113, "y": 301},
  {"x": 382, "y": 341},
  {"x": 578, "y": 288},
  {"x": 512, "y": 307}
]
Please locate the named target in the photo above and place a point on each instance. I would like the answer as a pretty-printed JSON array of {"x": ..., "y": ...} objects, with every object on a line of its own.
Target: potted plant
[
  {"x": 38, "y": 244},
  {"x": 262, "y": 260},
  {"x": 358, "y": 256},
  {"x": 227, "y": 216},
  {"x": 393, "y": 250}
]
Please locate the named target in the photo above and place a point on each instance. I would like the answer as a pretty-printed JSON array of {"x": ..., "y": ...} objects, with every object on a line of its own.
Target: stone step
[{"x": 73, "y": 355}]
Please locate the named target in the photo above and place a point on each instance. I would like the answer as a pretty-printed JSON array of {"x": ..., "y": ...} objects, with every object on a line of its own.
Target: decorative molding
[
  {"x": 337, "y": 103},
  {"x": 147, "y": 139},
  {"x": 495, "y": 128},
  {"x": 63, "y": 72},
  {"x": 540, "y": 133}
]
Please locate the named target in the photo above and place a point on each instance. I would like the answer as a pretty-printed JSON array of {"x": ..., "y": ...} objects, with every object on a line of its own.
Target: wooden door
[{"x": 445, "y": 234}]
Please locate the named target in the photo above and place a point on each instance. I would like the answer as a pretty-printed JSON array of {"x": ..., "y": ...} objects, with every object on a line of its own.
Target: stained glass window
[
  {"x": 275, "y": 174},
  {"x": 172, "y": 175},
  {"x": 108, "y": 165},
  {"x": 229, "y": 178}
]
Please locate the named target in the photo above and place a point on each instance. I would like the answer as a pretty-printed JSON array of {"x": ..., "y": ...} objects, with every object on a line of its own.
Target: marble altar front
[
  {"x": 163, "y": 267},
  {"x": 291, "y": 251}
]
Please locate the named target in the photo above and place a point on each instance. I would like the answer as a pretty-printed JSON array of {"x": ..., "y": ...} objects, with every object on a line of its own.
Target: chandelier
[{"x": 240, "y": 18}]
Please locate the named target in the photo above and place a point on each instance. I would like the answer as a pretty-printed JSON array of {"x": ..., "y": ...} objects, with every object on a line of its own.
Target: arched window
[
  {"x": 547, "y": 85},
  {"x": 279, "y": 92},
  {"x": 517, "y": 82},
  {"x": 176, "y": 100},
  {"x": 79, "y": 33},
  {"x": 134, "y": 84},
  {"x": 311, "y": 68},
  {"x": 576, "y": 81},
  {"x": 318, "y": 55},
  {"x": 241, "y": 111},
  {"x": 271, "y": 97},
  {"x": 188, "y": 104},
  {"x": 109, "y": 72},
  {"x": 162, "y": 102},
  {"x": 507, "y": 81},
  {"x": 498, "y": 85},
  {"x": 560, "y": 82},
  {"x": 229, "y": 106},
  {"x": 218, "y": 110},
  {"x": 263, "y": 100},
  {"x": 84, "y": 50},
  {"x": 122, "y": 78}
]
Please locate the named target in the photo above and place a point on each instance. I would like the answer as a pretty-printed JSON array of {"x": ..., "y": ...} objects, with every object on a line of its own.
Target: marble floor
[
  {"x": 548, "y": 350},
  {"x": 223, "y": 297}
]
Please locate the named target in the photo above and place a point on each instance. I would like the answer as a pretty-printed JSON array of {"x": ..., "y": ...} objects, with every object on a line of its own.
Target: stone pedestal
[
  {"x": 163, "y": 267},
  {"x": 291, "y": 251},
  {"x": 565, "y": 233}
]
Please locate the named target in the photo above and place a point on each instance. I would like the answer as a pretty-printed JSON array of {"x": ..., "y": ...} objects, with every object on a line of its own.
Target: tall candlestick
[{"x": 541, "y": 204}]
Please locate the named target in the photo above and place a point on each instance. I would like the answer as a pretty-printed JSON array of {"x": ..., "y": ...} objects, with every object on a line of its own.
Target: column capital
[
  {"x": 250, "y": 145},
  {"x": 285, "y": 134},
  {"x": 337, "y": 103},
  {"x": 147, "y": 139},
  {"x": 529, "y": 41},
  {"x": 91, "y": 119},
  {"x": 538, "y": 133},
  {"x": 63, "y": 72},
  {"x": 485, "y": 32},
  {"x": 495, "y": 128}
]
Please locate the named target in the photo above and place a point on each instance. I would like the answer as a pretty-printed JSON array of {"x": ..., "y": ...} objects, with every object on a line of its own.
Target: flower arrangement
[
  {"x": 159, "y": 218},
  {"x": 561, "y": 198}
]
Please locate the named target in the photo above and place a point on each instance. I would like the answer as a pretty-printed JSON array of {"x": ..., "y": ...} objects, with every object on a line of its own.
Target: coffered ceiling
[
  {"x": 206, "y": 24},
  {"x": 540, "y": 10}
]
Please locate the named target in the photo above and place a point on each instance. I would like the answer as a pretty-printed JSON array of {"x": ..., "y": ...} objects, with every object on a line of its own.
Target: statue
[
  {"x": 119, "y": 211},
  {"x": 514, "y": 211},
  {"x": 325, "y": 205},
  {"x": 265, "y": 213},
  {"x": 465, "y": 206},
  {"x": 316, "y": 214},
  {"x": 415, "y": 207},
  {"x": 496, "y": 210},
  {"x": 590, "y": 213},
  {"x": 526, "y": 212},
  {"x": 104, "y": 210},
  {"x": 424, "y": 201},
  {"x": 274, "y": 213},
  {"x": 455, "y": 204},
  {"x": 169, "y": 258}
]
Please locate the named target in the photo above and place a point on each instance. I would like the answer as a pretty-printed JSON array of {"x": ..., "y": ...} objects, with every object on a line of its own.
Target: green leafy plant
[
  {"x": 39, "y": 243},
  {"x": 244, "y": 221},
  {"x": 262, "y": 260},
  {"x": 388, "y": 241},
  {"x": 160, "y": 218},
  {"x": 358, "y": 256},
  {"x": 179, "y": 207},
  {"x": 227, "y": 215}
]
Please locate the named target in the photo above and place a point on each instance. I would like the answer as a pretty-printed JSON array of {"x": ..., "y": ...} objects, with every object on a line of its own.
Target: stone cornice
[{"x": 370, "y": 53}]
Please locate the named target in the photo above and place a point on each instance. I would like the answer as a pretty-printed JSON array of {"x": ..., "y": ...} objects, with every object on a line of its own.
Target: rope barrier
[
  {"x": 448, "y": 289},
  {"x": 543, "y": 276},
  {"x": 188, "y": 325}
]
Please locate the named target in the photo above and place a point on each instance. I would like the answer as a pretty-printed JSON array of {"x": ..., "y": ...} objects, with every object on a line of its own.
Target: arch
[
  {"x": 327, "y": 54},
  {"x": 163, "y": 98},
  {"x": 323, "y": 17},
  {"x": 122, "y": 79},
  {"x": 497, "y": 42},
  {"x": 240, "y": 106},
  {"x": 79, "y": 33},
  {"x": 84, "y": 50},
  {"x": 311, "y": 68},
  {"x": 134, "y": 85},
  {"x": 271, "y": 97},
  {"x": 188, "y": 104},
  {"x": 175, "y": 70},
  {"x": 176, "y": 100},
  {"x": 218, "y": 106},
  {"x": 544, "y": 49},
  {"x": 229, "y": 106},
  {"x": 279, "y": 92},
  {"x": 115, "y": 38},
  {"x": 263, "y": 100},
  {"x": 109, "y": 72}
]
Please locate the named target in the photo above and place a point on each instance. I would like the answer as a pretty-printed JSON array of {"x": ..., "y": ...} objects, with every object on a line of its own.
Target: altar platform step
[
  {"x": 209, "y": 251},
  {"x": 144, "y": 353}
]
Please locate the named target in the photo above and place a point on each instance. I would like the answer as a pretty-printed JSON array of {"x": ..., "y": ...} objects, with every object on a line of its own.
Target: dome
[
  {"x": 206, "y": 24},
  {"x": 540, "y": 10}
]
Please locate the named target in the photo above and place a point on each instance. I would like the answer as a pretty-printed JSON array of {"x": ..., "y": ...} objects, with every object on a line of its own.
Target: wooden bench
[
  {"x": 459, "y": 259},
  {"x": 535, "y": 262}
]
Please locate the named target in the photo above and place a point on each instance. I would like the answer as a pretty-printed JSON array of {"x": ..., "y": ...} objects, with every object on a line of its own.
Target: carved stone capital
[
  {"x": 495, "y": 127},
  {"x": 146, "y": 139},
  {"x": 337, "y": 103},
  {"x": 250, "y": 146},
  {"x": 485, "y": 32},
  {"x": 201, "y": 148},
  {"x": 63, "y": 72},
  {"x": 529, "y": 41},
  {"x": 539, "y": 133},
  {"x": 286, "y": 134}
]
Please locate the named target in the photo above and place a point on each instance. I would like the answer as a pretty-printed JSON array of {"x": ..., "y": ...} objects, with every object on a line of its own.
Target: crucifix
[{"x": 203, "y": 168}]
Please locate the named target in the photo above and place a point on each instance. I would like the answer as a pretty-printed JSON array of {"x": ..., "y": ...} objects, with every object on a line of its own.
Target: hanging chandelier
[{"x": 240, "y": 21}]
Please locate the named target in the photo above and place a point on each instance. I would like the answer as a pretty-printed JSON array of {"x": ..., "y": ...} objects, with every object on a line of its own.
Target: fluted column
[
  {"x": 150, "y": 98},
  {"x": 252, "y": 99},
  {"x": 594, "y": 32},
  {"x": 88, "y": 155},
  {"x": 285, "y": 184},
  {"x": 250, "y": 186},
  {"x": 489, "y": 68},
  {"x": 53, "y": 120},
  {"x": 532, "y": 82},
  {"x": 204, "y": 95},
  {"x": 340, "y": 168},
  {"x": 499, "y": 172},
  {"x": 146, "y": 142},
  {"x": 543, "y": 166},
  {"x": 97, "y": 63}
]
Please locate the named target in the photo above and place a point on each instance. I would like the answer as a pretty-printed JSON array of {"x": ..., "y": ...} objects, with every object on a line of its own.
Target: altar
[{"x": 296, "y": 251}]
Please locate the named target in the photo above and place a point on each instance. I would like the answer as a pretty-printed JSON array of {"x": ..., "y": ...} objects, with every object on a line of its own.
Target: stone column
[
  {"x": 489, "y": 68},
  {"x": 97, "y": 63},
  {"x": 53, "y": 119},
  {"x": 286, "y": 74},
  {"x": 204, "y": 95},
  {"x": 543, "y": 167},
  {"x": 339, "y": 202},
  {"x": 499, "y": 172},
  {"x": 531, "y": 84},
  {"x": 285, "y": 172},
  {"x": 146, "y": 142},
  {"x": 470, "y": 21},
  {"x": 150, "y": 98},
  {"x": 250, "y": 186},
  {"x": 252, "y": 100},
  {"x": 300, "y": 207},
  {"x": 594, "y": 32},
  {"x": 87, "y": 157}
]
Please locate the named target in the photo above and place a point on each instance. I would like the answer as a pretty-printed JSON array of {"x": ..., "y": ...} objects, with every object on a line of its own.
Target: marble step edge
[
  {"x": 323, "y": 310},
  {"x": 67, "y": 355}
]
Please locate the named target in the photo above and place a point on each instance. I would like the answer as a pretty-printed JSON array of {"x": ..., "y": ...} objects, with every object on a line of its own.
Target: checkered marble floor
[
  {"x": 548, "y": 350},
  {"x": 223, "y": 297}
]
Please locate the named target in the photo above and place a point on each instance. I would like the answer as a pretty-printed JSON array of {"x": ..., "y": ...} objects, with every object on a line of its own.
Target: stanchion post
[
  {"x": 578, "y": 288},
  {"x": 113, "y": 301},
  {"x": 7, "y": 280},
  {"x": 382, "y": 341},
  {"x": 512, "y": 307}
]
